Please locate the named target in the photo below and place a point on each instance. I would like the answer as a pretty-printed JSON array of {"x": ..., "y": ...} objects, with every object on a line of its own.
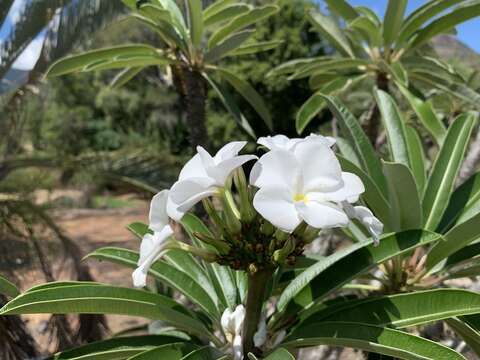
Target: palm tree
[
  {"x": 194, "y": 40},
  {"x": 394, "y": 53}
]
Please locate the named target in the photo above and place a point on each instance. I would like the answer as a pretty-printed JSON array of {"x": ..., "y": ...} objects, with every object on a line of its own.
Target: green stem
[{"x": 257, "y": 284}]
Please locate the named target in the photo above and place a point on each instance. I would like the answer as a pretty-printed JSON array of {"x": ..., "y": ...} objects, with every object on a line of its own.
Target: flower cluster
[{"x": 295, "y": 189}]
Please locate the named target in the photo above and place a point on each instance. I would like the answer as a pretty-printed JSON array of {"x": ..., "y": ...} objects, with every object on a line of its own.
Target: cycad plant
[
  {"x": 393, "y": 53},
  {"x": 193, "y": 42}
]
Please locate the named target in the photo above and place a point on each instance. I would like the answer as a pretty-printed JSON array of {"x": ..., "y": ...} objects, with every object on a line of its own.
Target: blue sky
[{"x": 468, "y": 32}]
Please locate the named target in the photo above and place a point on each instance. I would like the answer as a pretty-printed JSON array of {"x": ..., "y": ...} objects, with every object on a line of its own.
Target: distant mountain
[
  {"x": 453, "y": 50},
  {"x": 13, "y": 79}
]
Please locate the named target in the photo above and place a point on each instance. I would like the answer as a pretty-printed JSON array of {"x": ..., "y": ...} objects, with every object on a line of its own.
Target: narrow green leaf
[
  {"x": 280, "y": 354},
  {"x": 256, "y": 47},
  {"x": 331, "y": 31},
  {"x": 404, "y": 310},
  {"x": 455, "y": 239},
  {"x": 426, "y": 115},
  {"x": 251, "y": 17},
  {"x": 222, "y": 276},
  {"x": 421, "y": 16},
  {"x": 226, "y": 14},
  {"x": 327, "y": 64},
  {"x": 392, "y": 22},
  {"x": 404, "y": 198},
  {"x": 165, "y": 29},
  {"x": 7, "y": 288},
  {"x": 103, "y": 299},
  {"x": 395, "y": 127},
  {"x": 204, "y": 353},
  {"x": 370, "y": 338},
  {"x": 417, "y": 157},
  {"x": 293, "y": 65},
  {"x": 331, "y": 273},
  {"x": 174, "y": 351},
  {"x": 464, "y": 203},
  {"x": 342, "y": 8},
  {"x": 176, "y": 15},
  {"x": 368, "y": 30},
  {"x": 249, "y": 93},
  {"x": 79, "y": 62},
  {"x": 125, "y": 76},
  {"x": 167, "y": 274},
  {"x": 442, "y": 178},
  {"x": 115, "y": 348},
  {"x": 196, "y": 21},
  {"x": 467, "y": 333},
  {"x": 370, "y": 162},
  {"x": 446, "y": 22},
  {"x": 316, "y": 103},
  {"x": 228, "y": 45},
  {"x": 215, "y": 7},
  {"x": 372, "y": 195},
  {"x": 469, "y": 252}
]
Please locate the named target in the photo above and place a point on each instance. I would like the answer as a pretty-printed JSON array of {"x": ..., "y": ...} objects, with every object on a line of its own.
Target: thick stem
[
  {"x": 196, "y": 96},
  {"x": 257, "y": 284}
]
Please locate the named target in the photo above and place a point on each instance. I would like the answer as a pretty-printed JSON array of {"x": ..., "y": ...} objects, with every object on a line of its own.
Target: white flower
[
  {"x": 281, "y": 142},
  {"x": 260, "y": 336},
  {"x": 152, "y": 246},
  {"x": 366, "y": 217},
  {"x": 306, "y": 184},
  {"x": 203, "y": 175},
  {"x": 232, "y": 324}
]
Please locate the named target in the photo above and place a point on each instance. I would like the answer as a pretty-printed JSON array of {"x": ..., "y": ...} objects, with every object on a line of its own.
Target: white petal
[
  {"x": 277, "y": 142},
  {"x": 275, "y": 204},
  {"x": 319, "y": 166},
  {"x": 223, "y": 170},
  {"x": 207, "y": 159},
  {"x": 139, "y": 278},
  {"x": 184, "y": 190},
  {"x": 173, "y": 211},
  {"x": 238, "y": 318},
  {"x": 350, "y": 191},
  {"x": 226, "y": 322},
  {"x": 146, "y": 248},
  {"x": 229, "y": 151},
  {"x": 277, "y": 168},
  {"x": 328, "y": 140},
  {"x": 237, "y": 348},
  {"x": 193, "y": 168},
  {"x": 374, "y": 226},
  {"x": 260, "y": 336},
  {"x": 321, "y": 215},
  {"x": 255, "y": 172},
  {"x": 158, "y": 211}
]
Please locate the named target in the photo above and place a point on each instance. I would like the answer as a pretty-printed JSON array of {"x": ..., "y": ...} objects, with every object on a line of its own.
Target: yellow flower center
[{"x": 300, "y": 197}]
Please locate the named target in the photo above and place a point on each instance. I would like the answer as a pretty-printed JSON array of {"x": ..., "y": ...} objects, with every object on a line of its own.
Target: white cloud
[{"x": 28, "y": 58}]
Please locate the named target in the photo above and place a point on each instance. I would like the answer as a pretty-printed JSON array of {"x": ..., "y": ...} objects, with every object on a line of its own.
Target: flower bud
[
  {"x": 280, "y": 255},
  {"x": 220, "y": 245},
  {"x": 247, "y": 211},
  {"x": 232, "y": 215},
  {"x": 267, "y": 228}
]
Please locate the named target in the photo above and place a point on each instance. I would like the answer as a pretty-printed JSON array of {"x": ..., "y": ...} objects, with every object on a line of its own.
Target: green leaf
[
  {"x": 103, "y": 299},
  {"x": 342, "y": 8},
  {"x": 165, "y": 29},
  {"x": 176, "y": 15},
  {"x": 370, "y": 162},
  {"x": 293, "y": 65},
  {"x": 316, "y": 102},
  {"x": 368, "y": 30},
  {"x": 196, "y": 21},
  {"x": 426, "y": 115},
  {"x": 468, "y": 334},
  {"x": 125, "y": 76},
  {"x": 80, "y": 62},
  {"x": 256, "y": 47},
  {"x": 174, "y": 351},
  {"x": 469, "y": 252},
  {"x": 404, "y": 198},
  {"x": 422, "y": 15},
  {"x": 225, "y": 14},
  {"x": 455, "y": 239},
  {"x": 228, "y": 45},
  {"x": 392, "y": 22},
  {"x": 442, "y": 178},
  {"x": 331, "y": 31},
  {"x": 464, "y": 203},
  {"x": 370, "y": 338},
  {"x": 231, "y": 106},
  {"x": 372, "y": 195},
  {"x": 7, "y": 288},
  {"x": 395, "y": 127},
  {"x": 221, "y": 275},
  {"x": 403, "y": 310},
  {"x": 280, "y": 354},
  {"x": 446, "y": 22},
  {"x": 251, "y": 17},
  {"x": 249, "y": 93},
  {"x": 215, "y": 7},
  {"x": 327, "y": 64},
  {"x": 417, "y": 157},
  {"x": 115, "y": 348},
  {"x": 167, "y": 274},
  {"x": 204, "y": 353},
  {"x": 331, "y": 273},
  {"x": 138, "y": 229}
]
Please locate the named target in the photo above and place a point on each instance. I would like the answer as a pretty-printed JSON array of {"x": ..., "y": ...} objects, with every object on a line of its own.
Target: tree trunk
[
  {"x": 373, "y": 119},
  {"x": 257, "y": 284}
]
